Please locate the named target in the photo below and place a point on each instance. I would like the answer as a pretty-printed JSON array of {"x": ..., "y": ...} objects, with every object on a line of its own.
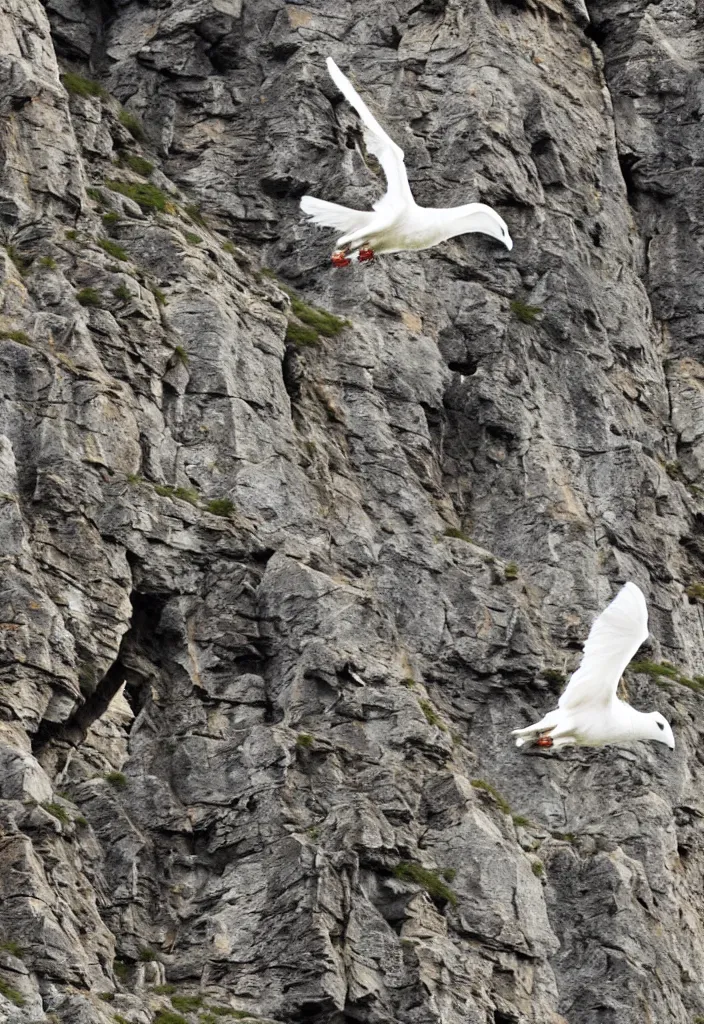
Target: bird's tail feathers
[
  {"x": 531, "y": 733},
  {"x": 334, "y": 216}
]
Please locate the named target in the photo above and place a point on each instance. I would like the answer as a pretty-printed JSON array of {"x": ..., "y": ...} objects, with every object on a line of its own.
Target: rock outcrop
[{"x": 287, "y": 551}]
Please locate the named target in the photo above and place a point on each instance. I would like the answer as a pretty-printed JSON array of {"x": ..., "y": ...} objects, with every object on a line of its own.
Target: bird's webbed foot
[
  {"x": 365, "y": 255},
  {"x": 544, "y": 741},
  {"x": 339, "y": 258}
]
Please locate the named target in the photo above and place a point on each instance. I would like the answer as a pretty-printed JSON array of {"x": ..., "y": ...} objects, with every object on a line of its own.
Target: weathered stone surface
[{"x": 267, "y": 610}]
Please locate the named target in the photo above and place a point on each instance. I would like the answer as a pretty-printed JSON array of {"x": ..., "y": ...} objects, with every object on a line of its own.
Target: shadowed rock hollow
[{"x": 334, "y": 560}]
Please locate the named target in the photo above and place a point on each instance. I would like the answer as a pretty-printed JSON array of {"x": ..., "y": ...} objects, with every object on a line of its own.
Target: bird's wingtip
[{"x": 509, "y": 243}]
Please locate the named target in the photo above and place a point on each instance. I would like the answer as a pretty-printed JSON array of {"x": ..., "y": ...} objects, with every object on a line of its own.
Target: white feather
[
  {"x": 613, "y": 640},
  {"x": 589, "y": 714},
  {"x": 397, "y": 222}
]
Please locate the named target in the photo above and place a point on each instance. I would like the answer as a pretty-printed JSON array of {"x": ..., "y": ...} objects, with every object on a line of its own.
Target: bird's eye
[{"x": 660, "y": 725}]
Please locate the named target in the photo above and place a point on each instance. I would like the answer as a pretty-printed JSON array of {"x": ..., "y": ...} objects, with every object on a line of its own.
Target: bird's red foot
[
  {"x": 544, "y": 741},
  {"x": 365, "y": 255},
  {"x": 339, "y": 258}
]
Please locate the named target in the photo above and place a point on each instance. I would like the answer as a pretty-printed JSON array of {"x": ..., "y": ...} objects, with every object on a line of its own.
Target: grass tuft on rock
[
  {"x": 118, "y": 780},
  {"x": 120, "y": 969},
  {"x": 11, "y": 993},
  {"x": 500, "y": 800},
  {"x": 521, "y": 820},
  {"x": 221, "y": 507},
  {"x": 456, "y": 534},
  {"x": 183, "y": 493},
  {"x": 194, "y": 213},
  {"x": 58, "y": 812},
  {"x": 21, "y": 337},
  {"x": 159, "y": 296},
  {"x": 12, "y": 947},
  {"x": 186, "y": 1003},
  {"x": 511, "y": 571},
  {"x": 169, "y": 1017},
  {"x": 436, "y": 888},
  {"x": 319, "y": 320},
  {"x": 696, "y": 591},
  {"x": 552, "y": 675},
  {"x": 301, "y": 336},
  {"x": 663, "y": 673},
  {"x": 147, "y": 955},
  {"x": 537, "y": 868},
  {"x": 191, "y": 237},
  {"x": 431, "y": 715},
  {"x": 76, "y": 85},
  {"x": 110, "y": 218},
  {"x": 89, "y": 297},
  {"x": 122, "y": 292},
  {"x": 148, "y": 196},
  {"x": 138, "y": 164},
  {"x": 180, "y": 355},
  {"x": 526, "y": 314},
  {"x": 22, "y": 263},
  {"x": 133, "y": 124},
  {"x": 113, "y": 249},
  {"x": 48, "y": 261},
  {"x": 304, "y": 740}
]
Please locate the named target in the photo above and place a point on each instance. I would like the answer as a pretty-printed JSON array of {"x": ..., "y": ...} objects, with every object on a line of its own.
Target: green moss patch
[
  {"x": 89, "y": 297},
  {"x": 138, "y": 164},
  {"x": 19, "y": 336},
  {"x": 221, "y": 507},
  {"x": 133, "y": 124},
  {"x": 526, "y": 314},
  {"x": 438, "y": 890},
  {"x": 431, "y": 715},
  {"x": 113, "y": 249},
  {"x": 663, "y": 673},
  {"x": 500, "y": 800},
  {"x": 148, "y": 196},
  {"x": 76, "y": 85}
]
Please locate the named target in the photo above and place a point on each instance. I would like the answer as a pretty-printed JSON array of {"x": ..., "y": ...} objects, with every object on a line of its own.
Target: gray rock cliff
[{"x": 276, "y": 583}]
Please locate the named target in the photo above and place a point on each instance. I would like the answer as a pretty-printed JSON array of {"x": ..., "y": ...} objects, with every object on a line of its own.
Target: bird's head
[
  {"x": 661, "y": 731},
  {"x": 481, "y": 218}
]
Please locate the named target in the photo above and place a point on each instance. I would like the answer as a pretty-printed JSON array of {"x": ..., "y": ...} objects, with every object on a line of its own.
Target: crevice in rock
[
  {"x": 596, "y": 32},
  {"x": 132, "y": 667},
  {"x": 627, "y": 162},
  {"x": 466, "y": 367}
]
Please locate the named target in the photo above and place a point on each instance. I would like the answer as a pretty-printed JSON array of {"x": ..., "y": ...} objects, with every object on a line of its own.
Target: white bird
[
  {"x": 589, "y": 714},
  {"x": 397, "y": 223}
]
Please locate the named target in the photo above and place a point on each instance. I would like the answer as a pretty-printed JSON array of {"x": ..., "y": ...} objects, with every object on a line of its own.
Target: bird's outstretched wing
[
  {"x": 389, "y": 155},
  {"x": 613, "y": 640}
]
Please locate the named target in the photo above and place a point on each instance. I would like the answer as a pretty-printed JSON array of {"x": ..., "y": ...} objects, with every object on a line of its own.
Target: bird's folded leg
[
  {"x": 339, "y": 258},
  {"x": 544, "y": 741},
  {"x": 365, "y": 255}
]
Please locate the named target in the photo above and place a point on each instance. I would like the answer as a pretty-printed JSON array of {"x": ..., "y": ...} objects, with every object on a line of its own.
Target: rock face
[{"x": 277, "y": 585}]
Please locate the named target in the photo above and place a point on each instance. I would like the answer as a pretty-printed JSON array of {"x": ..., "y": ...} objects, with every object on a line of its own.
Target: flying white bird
[
  {"x": 397, "y": 222},
  {"x": 589, "y": 714}
]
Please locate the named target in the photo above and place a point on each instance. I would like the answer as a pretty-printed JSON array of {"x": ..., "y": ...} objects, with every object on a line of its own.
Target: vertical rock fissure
[{"x": 131, "y": 667}]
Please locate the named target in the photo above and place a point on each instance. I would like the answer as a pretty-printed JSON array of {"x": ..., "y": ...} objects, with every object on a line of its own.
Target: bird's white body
[
  {"x": 396, "y": 223},
  {"x": 589, "y": 714}
]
